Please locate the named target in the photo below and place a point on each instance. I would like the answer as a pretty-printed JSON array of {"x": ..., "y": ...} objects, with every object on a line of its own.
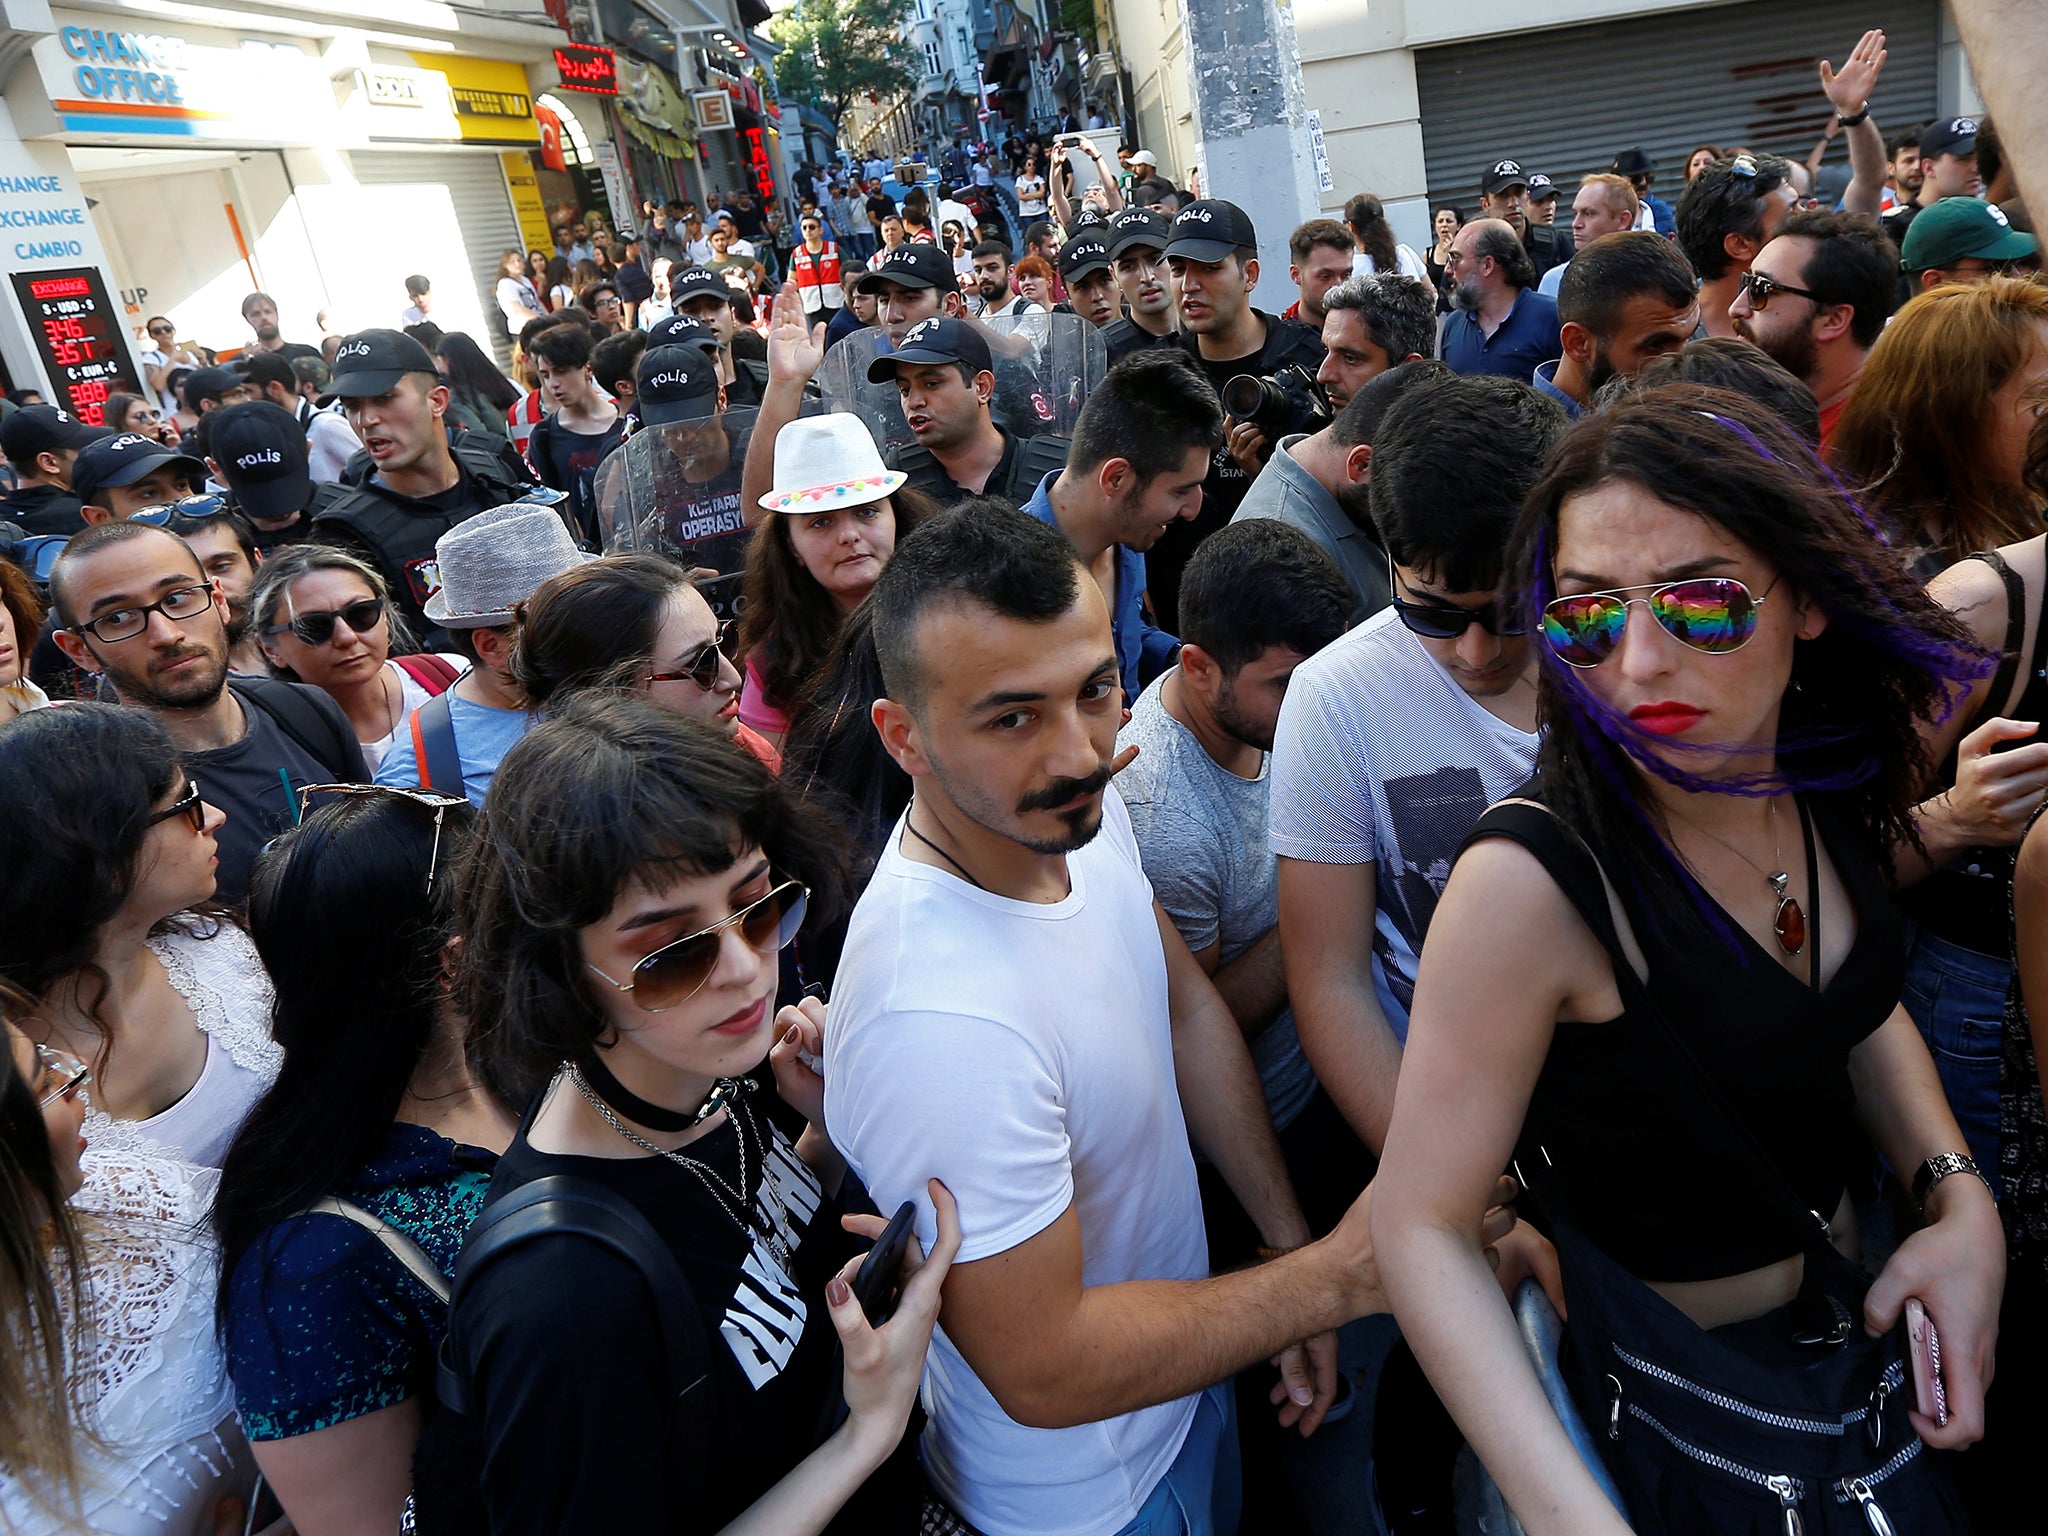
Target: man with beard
[
  {"x": 132, "y": 603},
  {"x": 1136, "y": 468},
  {"x": 1499, "y": 323},
  {"x": 260, "y": 310},
  {"x": 226, "y": 546},
  {"x": 1902, "y": 162},
  {"x": 1012, "y": 990},
  {"x": 992, "y": 281},
  {"x": 1625, "y": 299},
  {"x": 1138, "y": 239},
  {"x": 1816, "y": 299},
  {"x": 1321, "y": 483}
]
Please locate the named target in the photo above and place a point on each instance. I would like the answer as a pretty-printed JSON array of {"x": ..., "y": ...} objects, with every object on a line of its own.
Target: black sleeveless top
[{"x": 1777, "y": 1049}]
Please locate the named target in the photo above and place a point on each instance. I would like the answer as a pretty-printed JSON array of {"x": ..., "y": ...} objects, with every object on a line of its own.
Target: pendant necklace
[{"x": 1788, "y": 923}]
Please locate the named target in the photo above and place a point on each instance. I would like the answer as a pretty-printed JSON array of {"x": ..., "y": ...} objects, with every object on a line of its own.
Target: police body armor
[{"x": 1035, "y": 458}]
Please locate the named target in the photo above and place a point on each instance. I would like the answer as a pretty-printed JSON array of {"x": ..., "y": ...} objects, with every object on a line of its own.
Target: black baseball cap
[
  {"x": 1210, "y": 230},
  {"x": 123, "y": 459},
  {"x": 937, "y": 340},
  {"x": 38, "y": 429},
  {"x": 682, "y": 331},
  {"x": 371, "y": 363},
  {"x": 1541, "y": 188},
  {"x": 913, "y": 266},
  {"x": 1501, "y": 175},
  {"x": 260, "y": 451},
  {"x": 673, "y": 385},
  {"x": 1949, "y": 136},
  {"x": 1138, "y": 226},
  {"x": 209, "y": 384},
  {"x": 1634, "y": 161},
  {"x": 1086, "y": 252},
  {"x": 697, "y": 283}
]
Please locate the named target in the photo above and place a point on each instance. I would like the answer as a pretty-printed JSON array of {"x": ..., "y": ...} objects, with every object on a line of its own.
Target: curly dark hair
[
  {"x": 1889, "y": 659},
  {"x": 609, "y": 788}
]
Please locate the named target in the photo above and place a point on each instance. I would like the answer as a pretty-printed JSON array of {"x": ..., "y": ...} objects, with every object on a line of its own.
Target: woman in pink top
[{"x": 841, "y": 514}]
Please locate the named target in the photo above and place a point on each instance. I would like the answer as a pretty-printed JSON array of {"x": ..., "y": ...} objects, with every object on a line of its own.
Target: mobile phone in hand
[
  {"x": 1923, "y": 1343},
  {"x": 878, "y": 1283}
]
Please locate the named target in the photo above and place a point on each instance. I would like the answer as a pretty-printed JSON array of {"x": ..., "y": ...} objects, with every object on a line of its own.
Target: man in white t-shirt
[
  {"x": 1394, "y": 739},
  {"x": 1015, "y": 1016}
]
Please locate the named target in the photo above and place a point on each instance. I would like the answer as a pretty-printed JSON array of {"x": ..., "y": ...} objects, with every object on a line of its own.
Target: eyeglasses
[
  {"x": 62, "y": 1069},
  {"x": 187, "y": 805},
  {"x": 163, "y": 330},
  {"x": 676, "y": 972},
  {"x": 177, "y": 605},
  {"x": 1443, "y": 621},
  {"x": 1715, "y": 615},
  {"x": 1761, "y": 289},
  {"x": 439, "y": 804},
  {"x": 362, "y": 616},
  {"x": 704, "y": 664},
  {"x": 207, "y": 504}
]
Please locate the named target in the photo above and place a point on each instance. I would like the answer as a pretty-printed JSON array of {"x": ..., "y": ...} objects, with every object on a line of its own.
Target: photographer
[{"x": 1214, "y": 257}]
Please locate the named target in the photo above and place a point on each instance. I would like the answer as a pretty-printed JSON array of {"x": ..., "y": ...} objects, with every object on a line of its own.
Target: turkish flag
[{"x": 550, "y": 139}]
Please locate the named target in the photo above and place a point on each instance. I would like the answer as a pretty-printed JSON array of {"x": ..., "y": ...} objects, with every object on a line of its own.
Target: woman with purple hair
[{"x": 1664, "y": 984}]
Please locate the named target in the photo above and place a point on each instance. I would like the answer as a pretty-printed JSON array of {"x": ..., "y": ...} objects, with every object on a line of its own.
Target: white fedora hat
[
  {"x": 826, "y": 462},
  {"x": 490, "y": 563}
]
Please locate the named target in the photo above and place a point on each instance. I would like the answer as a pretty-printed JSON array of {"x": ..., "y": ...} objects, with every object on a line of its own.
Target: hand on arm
[
  {"x": 1326, "y": 928},
  {"x": 800, "y": 1033},
  {"x": 1955, "y": 1264},
  {"x": 794, "y": 356},
  {"x": 1850, "y": 92}
]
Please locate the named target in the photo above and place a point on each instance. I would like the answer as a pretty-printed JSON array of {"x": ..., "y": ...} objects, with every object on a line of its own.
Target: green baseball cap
[{"x": 1960, "y": 227}]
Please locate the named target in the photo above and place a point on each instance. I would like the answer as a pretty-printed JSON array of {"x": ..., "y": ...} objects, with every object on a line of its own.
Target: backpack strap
[
  {"x": 2015, "y": 634},
  {"x": 431, "y": 672},
  {"x": 562, "y": 1204},
  {"x": 435, "y": 757},
  {"x": 396, "y": 1243},
  {"x": 315, "y": 733}
]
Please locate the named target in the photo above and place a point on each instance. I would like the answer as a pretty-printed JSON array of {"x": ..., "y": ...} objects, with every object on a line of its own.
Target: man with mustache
[
  {"x": 132, "y": 604},
  {"x": 1011, "y": 990},
  {"x": 1625, "y": 298}
]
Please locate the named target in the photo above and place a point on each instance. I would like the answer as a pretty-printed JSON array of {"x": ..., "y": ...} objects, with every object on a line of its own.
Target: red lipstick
[{"x": 1666, "y": 717}]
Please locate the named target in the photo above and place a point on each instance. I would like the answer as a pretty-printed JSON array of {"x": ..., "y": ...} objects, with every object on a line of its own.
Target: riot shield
[
  {"x": 1045, "y": 366},
  {"x": 675, "y": 491}
]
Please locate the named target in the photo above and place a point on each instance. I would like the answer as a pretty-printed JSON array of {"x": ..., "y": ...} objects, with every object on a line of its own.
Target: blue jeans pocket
[{"x": 1957, "y": 999}]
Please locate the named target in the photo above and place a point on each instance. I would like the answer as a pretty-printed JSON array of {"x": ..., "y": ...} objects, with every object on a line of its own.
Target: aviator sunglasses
[
  {"x": 675, "y": 972},
  {"x": 1712, "y": 614}
]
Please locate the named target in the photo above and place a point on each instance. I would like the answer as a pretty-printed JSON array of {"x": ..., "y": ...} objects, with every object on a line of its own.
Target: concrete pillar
[{"x": 1251, "y": 118}]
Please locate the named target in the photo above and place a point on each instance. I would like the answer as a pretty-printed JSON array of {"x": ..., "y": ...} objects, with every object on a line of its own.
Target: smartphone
[
  {"x": 878, "y": 1283},
  {"x": 1924, "y": 1344}
]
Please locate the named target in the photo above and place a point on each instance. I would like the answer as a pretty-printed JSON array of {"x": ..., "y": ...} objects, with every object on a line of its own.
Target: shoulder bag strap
[
  {"x": 1695, "y": 1100},
  {"x": 301, "y": 720},
  {"x": 400, "y": 1247},
  {"x": 434, "y": 753}
]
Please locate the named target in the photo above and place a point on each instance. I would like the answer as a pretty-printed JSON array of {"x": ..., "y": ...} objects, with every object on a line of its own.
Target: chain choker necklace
[{"x": 628, "y": 1103}]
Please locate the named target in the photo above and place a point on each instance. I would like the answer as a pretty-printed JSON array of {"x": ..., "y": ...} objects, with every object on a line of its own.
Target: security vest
[{"x": 817, "y": 276}]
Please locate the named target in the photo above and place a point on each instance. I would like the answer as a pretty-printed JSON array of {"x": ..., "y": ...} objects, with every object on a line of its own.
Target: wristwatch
[
  {"x": 1939, "y": 1167},
  {"x": 1856, "y": 117}
]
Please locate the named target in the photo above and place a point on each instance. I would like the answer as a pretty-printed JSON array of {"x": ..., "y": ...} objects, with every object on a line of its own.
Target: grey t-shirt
[
  {"x": 1202, "y": 838},
  {"x": 256, "y": 782}
]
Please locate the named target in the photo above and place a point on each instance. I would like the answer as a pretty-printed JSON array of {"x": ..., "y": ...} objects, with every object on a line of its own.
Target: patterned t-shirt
[
  {"x": 1381, "y": 758},
  {"x": 324, "y": 1323}
]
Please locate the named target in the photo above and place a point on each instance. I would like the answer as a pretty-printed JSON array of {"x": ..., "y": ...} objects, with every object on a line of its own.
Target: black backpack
[
  {"x": 321, "y": 736},
  {"x": 447, "y": 1496}
]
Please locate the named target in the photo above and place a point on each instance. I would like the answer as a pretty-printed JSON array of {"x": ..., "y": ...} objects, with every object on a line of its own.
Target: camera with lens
[{"x": 1279, "y": 405}]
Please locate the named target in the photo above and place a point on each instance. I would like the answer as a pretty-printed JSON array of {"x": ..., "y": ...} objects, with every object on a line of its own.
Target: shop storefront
[{"x": 322, "y": 169}]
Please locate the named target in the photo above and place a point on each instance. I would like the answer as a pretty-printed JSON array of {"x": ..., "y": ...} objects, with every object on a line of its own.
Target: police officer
[
  {"x": 702, "y": 295},
  {"x": 418, "y": 487},
  {"x": 1091, "y": 286},
  {"x": 945, "y": 376},
  {"x": 1137, "y": 260}
]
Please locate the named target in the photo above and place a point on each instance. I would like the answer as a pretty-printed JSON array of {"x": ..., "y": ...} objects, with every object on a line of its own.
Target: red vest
[{"x": 819, "y": 271}]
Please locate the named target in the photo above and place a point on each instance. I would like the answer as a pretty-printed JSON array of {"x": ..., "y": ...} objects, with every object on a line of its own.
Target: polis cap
[
  {"x": 371, "y": 363},
  {"x": 1086, "y": 252},
  {"x": 673, "y": 385},
  {"x": 921, "y": 265},
  {"x": 1138, "y": 226},
  {"x": 1949, "y": 136},
  {"x": 697, "y": 283},
  {"x": 936, "y": 340},
  {"x": 1502, "y": 174},
  {"x": 1210, "y": 230},
  {"x": 38, "y": 429},
  {"x": 125, "y": 458},
  {"x": 260, "y": 450}
]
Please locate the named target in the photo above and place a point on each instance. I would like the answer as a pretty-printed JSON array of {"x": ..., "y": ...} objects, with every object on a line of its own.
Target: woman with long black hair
[
  {"x": 633, "y": 877},
  {"x": 478, "y": 394},
  {"x": 1675, "y": 958},
  {"x": 369, "y": 1155}
]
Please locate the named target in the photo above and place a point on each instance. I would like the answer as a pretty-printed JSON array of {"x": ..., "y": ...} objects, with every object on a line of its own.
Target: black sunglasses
[
  {"x": 362, "y": 616},
  {"x": 187, "y": 805},
  {"x": 1443, "y": 621},
  {"x": 1761, "y": 289},
  {"x": 704, "y": 663}
]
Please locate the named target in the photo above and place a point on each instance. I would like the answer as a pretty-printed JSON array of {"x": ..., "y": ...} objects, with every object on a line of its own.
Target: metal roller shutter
[
  {"x": 1565, "y": 101},
  {"x": 483, "y": 209}
]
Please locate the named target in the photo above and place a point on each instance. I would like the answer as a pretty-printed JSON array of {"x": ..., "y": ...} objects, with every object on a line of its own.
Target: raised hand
[
  {"x": 1851, "y": 90},
  {"x": 794, "y": 354}
]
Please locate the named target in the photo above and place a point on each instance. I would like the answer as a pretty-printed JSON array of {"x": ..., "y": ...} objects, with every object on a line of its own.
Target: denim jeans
[
  {"x": 1957, "y": 998},
  {"x": 1199, "y": 1495}
]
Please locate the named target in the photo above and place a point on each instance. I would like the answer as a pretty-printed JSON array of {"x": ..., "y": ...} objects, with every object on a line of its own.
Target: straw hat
[
  {"x": 492, "y": 562},
  {"x": 823, "y": 463}
]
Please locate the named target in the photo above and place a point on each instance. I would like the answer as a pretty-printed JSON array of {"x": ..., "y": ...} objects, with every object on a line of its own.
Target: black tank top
[
  {"x": 1776, "y": 1048},
  {"x": 1967, "y": 901}
]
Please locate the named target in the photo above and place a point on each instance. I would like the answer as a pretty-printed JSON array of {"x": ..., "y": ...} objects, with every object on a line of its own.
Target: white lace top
[
  {"x": 155, "y": 1384},
  {"x": 223, "y": 982}
]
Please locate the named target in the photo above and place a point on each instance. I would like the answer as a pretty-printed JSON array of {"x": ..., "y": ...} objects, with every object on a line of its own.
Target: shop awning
[{"x": 653, "y": 111}]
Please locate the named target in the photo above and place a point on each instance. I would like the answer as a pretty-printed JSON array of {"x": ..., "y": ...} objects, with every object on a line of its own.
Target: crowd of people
[{"x": 1505, "y": 791}]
